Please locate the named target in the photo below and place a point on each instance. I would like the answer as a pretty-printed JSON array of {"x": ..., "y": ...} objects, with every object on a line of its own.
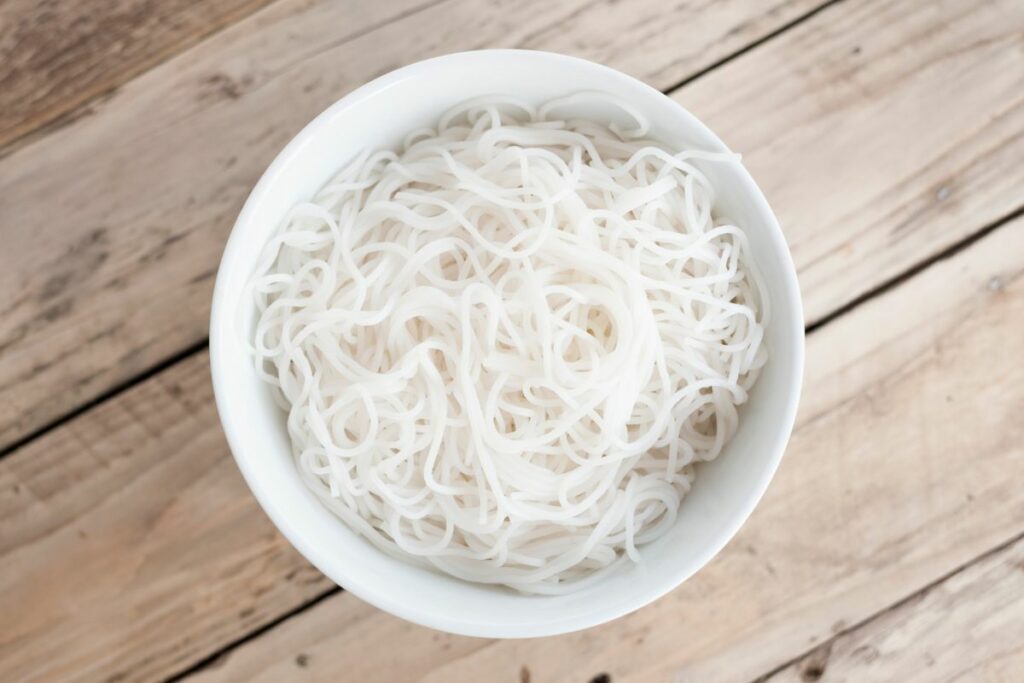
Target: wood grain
[
  {"x": 143, "y": 551},
  {"x": 57, "y": 56},
  {"x": 130, "y": 547},
  {"x": 881, "y": 132},
  {"x": 905, "y": 465},
  {"x": 969, "y": 627},
  {"x": 115, "y": 223}
]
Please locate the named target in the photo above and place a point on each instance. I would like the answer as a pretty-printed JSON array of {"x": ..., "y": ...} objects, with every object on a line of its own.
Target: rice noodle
[{"x": 504, "y": 347}]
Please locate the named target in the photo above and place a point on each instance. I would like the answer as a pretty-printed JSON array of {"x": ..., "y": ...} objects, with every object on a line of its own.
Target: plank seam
[
  {"x": 210, "y": 659},
  {"x": 913, "y": 595},
  {"x": 69, "y": 117},
  {"x": 165, "y": 364},
  {"x": 752, "y": 46},
  {"x": 895, "y": 281}
]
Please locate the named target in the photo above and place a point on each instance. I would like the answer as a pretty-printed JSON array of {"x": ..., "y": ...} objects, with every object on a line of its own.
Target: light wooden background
[{"x": 889, "y": 137}]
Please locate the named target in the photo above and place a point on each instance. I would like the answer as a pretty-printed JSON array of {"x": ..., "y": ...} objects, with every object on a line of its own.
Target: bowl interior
[{"x": 378, "y": 115}]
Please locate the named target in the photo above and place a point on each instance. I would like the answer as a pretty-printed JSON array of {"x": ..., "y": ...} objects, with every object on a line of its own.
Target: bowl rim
[{"x": 232, "y": 418}]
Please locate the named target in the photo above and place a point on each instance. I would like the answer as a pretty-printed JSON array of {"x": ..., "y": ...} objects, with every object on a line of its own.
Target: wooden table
[{"x": 889, "y": 137}]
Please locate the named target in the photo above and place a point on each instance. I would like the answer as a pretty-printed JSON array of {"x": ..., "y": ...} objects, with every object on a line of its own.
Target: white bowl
[{"x": 377, "y": 115}]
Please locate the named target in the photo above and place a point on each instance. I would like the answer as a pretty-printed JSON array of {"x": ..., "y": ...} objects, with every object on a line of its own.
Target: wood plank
[
  {"x": 881, "y": 132},
  {"x": 114, "y": 224},
  {"x": 905, "y": 465},
  {"x": 58, "y": 56},
  {"x": 122, "y": 242},
  {"x": 970, "y": 627},
  {"x": 130, "y": 546}
]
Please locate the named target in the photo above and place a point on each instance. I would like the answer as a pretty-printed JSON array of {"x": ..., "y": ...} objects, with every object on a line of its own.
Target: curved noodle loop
[{"x": 503, "y": 348}]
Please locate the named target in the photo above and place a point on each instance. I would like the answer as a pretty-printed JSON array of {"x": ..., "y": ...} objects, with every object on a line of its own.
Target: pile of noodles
[{"x": 503, "y": 347}]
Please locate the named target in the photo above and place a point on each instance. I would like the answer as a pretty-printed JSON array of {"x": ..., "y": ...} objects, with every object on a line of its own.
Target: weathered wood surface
[
  {"x": 969, "y": 627},
  {"x": 906, "y": 464},
  {"x": 144, "y": 550},
  {"x": 883, "y": 133},
  {"x": 124, "y": 221},
  {"x": 876, "y": 124},
  {"x": 129, "y": 547},
  {"x": 57, "y": 56}
]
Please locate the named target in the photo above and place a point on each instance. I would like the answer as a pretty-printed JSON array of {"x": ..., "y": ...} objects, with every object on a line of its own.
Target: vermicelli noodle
[{"x": 504, "y": 346}]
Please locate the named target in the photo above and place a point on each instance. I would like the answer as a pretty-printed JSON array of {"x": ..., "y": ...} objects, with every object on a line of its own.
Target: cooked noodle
[{"x": 503, "y": 348}]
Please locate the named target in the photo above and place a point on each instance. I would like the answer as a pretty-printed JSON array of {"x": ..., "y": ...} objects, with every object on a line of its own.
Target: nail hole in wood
[{"x": 813, "y": 673}]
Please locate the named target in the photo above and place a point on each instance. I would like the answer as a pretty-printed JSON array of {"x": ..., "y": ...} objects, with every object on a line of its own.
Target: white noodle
[{"x": 504, "y": 347}]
